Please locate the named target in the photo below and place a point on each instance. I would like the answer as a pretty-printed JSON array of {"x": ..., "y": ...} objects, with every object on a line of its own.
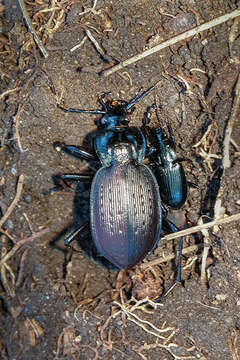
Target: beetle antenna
[
  {"x": 81, "y": 111},
  {"x": 138, "y": 97}
]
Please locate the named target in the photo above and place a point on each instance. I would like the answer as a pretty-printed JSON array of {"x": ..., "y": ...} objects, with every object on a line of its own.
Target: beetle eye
[
  {"x": 126, "y": 120},
  {"x": 103, "y": 120}
]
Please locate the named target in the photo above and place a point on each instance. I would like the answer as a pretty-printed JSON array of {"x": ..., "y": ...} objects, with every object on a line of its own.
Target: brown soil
[{"x": 62, "y": 306}]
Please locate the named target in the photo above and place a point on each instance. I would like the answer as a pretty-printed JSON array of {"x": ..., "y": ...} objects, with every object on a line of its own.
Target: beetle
[
  {"x": 166, "y": 167},
  {"x": 126, "y": 212}
]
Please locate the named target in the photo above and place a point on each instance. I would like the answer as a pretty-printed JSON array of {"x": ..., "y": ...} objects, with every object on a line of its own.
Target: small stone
[
  {"x": 221, "y": 297},
  {"x": 13, "y": 171}
]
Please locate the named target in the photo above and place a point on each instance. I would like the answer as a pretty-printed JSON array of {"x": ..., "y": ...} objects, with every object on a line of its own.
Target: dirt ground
[{"x": 58, "y": 304}]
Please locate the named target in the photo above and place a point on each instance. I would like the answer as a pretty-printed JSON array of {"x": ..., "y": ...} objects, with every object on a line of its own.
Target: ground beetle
[
  {"x": 125, "y": 205},
  {"x": 166, "y": 167}
]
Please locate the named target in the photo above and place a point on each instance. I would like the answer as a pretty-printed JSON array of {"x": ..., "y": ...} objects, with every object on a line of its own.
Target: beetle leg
[
  {"x": 61, "y": 179},
  {"x": 78, "y": 152},
  {"x": 192, "y": 185},
  {"x": 179, "y": 270},
  {"x": 74, "y": 233},
  {"x": 104, "y": 106},
  {"x": 146, "y": 119}
]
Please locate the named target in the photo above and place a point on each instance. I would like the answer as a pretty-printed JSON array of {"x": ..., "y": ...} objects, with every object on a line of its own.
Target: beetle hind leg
[
  {"x": 77, "y": 230},
  {"x": 179, "y": 268}
]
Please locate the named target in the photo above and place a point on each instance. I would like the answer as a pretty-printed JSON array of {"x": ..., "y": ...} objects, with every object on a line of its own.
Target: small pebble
[
  {"x": 221, "y": 297},
  {"x": 13, "y": 171}
]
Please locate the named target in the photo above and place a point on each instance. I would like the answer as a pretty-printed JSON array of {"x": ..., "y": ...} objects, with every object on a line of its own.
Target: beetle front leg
[
  {"x": 147, "y": 131},
  {"x": 104, "y": 106},
  {"x": 78, "y": 152}
]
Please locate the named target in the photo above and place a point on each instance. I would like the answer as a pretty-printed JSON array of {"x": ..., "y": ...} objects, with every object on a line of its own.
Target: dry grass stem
[
  {"x": 226, "y": 143},
  {"x": 7, "y": 283},
  {"x": 16, "y": 123},
  {"x": 206, "y": 241},
  {"x": 237, "y": 147},
  {"x": 21, "y": 267},
  {"x": 22, "y": 242},
  {"x": 15, "y": 201},
  {"x": 234, "y": 33},
  {"x": 172, "y": 41},
  {"x": 28, "y": 222},
  {"x": 197, "y": 228},
  {"x": 203, "y": 139},
  {"x": 233, "y": 345},
  {"x": 170, "y": 257},
  {"x": 76, "y": 47},
  {"x": 7, "y": 92},
  {"x": 31, "y": 28},
  {"x": 92, "y": 9},
  {"x": 95, "y": 43}
]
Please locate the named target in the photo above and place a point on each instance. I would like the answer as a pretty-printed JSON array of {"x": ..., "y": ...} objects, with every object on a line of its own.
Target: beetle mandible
[{"x": 125, "y": 206}]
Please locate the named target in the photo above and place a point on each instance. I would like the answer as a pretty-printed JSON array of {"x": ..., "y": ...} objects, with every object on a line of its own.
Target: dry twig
[
  {"x": 234, "y": 33},
  {"x": 95, "y": 43},
  {"x": 206, "y": 248},
  {"x": 16, "y": 123},
  {"x": 20, "y": 243},
  {"x": 5, "y": 93},
  {"x": 226, "y": 143},
  {"x": 197, "y": 228},
  {"x": 79, "y": 45},
  {"x": 21, "y": 267},
  {"x": 15, "y": 201},
  {"x": 170, "y": 257},
  {"x": 172, "y": 41},
  {"x": 9, "y": 288},
  {"x": 92, "y": 9},
  {"x": 31, "y": 28}
]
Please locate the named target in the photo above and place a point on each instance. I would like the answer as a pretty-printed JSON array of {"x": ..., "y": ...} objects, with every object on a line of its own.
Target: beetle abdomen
[
  {"x": 173, "y": 185},
  {"x": 125, "y": 213}
]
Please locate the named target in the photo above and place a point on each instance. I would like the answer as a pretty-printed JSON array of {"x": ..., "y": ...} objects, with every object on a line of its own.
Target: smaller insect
[{"x": 166, "y": 167}]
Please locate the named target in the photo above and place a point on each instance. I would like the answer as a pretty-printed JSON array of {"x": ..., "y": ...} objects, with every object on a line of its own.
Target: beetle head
[{"x": 116, "y": 115}]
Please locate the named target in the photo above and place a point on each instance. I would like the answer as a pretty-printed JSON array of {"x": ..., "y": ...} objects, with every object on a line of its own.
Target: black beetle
[
  {"x": 125, "y": 205},
  {"x": 166, "y": 167}
]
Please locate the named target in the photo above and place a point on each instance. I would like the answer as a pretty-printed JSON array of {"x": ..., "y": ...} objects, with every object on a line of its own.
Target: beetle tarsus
[{"x": 74, "y": 233}]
